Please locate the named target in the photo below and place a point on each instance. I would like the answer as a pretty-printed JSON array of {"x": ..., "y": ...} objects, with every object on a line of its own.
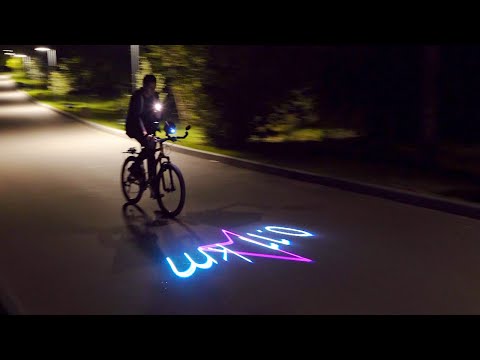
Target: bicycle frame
[
  {"x": 161, "y": 155},
  {"x": 170, "y": 181}
]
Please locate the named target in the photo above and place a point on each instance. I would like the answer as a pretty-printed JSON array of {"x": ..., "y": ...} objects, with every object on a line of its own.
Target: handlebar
[{"x": 172, "y": 138}]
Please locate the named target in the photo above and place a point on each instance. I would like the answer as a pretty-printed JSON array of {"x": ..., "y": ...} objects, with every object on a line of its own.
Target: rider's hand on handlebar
[{"x": 150, "y": 140}]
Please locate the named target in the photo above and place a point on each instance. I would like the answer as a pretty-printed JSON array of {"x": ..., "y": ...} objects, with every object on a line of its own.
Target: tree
[
  {"x": 145, "y": 68},
  {"x": 59, "y": 82},
  {"x": 185, "y": 66},
  {"x": 35, "y": 71}
]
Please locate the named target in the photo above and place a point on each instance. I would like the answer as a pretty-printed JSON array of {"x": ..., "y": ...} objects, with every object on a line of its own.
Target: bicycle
[{"x": 168, "y": 185}]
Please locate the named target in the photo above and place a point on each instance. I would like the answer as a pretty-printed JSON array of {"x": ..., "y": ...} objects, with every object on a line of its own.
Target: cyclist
[{"x": 141, "y": 124}]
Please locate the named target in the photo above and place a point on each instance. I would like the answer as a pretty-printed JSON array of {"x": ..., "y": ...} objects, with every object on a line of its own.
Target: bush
[
  {"x": 297, "y": 111},
  {"x": 35, "y": 72},
  {"x": 59, "y": 83}
]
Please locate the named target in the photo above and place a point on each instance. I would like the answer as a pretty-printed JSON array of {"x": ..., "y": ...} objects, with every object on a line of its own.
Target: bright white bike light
[{"x": 157, "y": 106}]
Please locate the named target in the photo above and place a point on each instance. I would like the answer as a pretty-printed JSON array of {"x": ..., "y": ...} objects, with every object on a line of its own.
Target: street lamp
[
  {"x": 134, "y": 51},
  {"x": 51, "y": 58},
  {"x": 25, "y": 60},
  {"x": 51, "y": 55}
]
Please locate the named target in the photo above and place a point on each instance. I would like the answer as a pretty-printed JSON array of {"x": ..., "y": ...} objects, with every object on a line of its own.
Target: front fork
[{"x": 167, "y": 183}]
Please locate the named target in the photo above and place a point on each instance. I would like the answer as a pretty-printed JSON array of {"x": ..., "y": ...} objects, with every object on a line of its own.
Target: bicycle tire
[
  {"x": 164, "y": 182},
  {"x": 127, "y": 180}
]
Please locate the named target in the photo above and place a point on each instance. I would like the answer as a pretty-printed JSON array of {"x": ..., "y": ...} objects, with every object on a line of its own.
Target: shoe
[
  {"x": 154, "y": 194},
  {"x": 153, "y": 189}
]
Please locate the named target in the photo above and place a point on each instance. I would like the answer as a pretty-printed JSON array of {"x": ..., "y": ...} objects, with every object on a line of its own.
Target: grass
[
  {"x": 106, "y": 111},
  {"x": 308, "y": 134}
]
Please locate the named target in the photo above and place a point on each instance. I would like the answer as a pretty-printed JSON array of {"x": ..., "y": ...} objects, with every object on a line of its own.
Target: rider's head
[{"x": 149, "y": 84}]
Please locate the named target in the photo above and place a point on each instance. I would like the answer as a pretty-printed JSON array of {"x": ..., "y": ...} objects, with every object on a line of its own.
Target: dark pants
[{"x": 148, "y": 152}]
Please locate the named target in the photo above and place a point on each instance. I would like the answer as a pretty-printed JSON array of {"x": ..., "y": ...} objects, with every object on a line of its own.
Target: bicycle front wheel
[
  {"x": 132, "y": 186},
  {"x": 171, "y": 190}
]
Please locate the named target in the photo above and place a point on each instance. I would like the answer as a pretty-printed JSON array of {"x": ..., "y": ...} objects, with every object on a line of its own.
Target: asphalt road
[{"x": 262, "y": 244}]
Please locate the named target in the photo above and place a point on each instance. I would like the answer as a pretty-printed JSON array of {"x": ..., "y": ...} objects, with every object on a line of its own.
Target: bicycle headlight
[
  {"x": 157, "y": 106},
  {"x": 170, "y": 128}
]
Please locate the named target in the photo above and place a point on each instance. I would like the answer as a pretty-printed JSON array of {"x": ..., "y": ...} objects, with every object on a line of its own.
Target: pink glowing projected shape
[{"x": 271, "y": 246}]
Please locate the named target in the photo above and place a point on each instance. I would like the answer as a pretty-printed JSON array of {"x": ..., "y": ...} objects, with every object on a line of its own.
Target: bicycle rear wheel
[
  {"x": 171, "y": 190},
  {"x": 132, "y": 186}
]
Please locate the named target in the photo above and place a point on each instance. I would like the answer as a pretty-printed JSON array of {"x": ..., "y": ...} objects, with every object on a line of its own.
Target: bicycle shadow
[
  {"x": 220, "y": 217},
  {"x": 136, "y": 245},
  {"x": 154, "y": 236}
]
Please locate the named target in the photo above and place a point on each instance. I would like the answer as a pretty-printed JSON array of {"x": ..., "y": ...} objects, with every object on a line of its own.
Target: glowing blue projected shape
[
  {"x": 222, "y": 248},
  {"x": 302, "y": 232},
  {"x": 193, "y": 265},
  {"x": 281, "y": 241}
]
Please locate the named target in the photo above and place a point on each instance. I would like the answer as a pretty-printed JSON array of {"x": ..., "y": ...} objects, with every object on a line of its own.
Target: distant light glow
[
  {"x": 10, "y": 54},
  {"x": 20, "y": 55},
  {"x": 42, "y": 49},
  {"x": 7, "y": 50}
]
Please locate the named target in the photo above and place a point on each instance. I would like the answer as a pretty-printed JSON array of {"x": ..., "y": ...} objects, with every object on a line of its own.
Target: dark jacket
[{"x": 141, "y": 109}]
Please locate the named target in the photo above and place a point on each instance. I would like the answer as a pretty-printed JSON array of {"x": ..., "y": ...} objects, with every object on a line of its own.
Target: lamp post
[
  {"x": 51, "y": 58},
  {"x": 8, "y": 53},
  {"x": 51, "y": 55},
  {"x": 134, "y": 53},
  {"x": 25, "y": 60}
]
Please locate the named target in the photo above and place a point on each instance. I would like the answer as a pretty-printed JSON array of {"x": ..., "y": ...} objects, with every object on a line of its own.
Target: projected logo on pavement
[{"x": 244, "y": 247}]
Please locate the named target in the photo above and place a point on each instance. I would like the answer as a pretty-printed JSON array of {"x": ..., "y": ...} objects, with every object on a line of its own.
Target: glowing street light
[
  {"x": 51, "y": 55},
  {"x": 25, "y": 60}
]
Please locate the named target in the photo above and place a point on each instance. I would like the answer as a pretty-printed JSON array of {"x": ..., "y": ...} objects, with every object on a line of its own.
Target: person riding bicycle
[{"x": 142, "y": 122}]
